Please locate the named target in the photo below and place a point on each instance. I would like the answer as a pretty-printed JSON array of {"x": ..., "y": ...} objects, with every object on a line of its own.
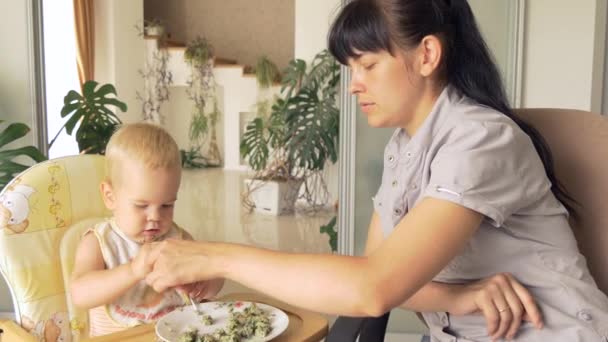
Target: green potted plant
[
  {"x": 198, "y": 52},
  {"x": 292, "y": 145},
  {"x": 154, "y": 27},
  {"x": 91, "y": 112},
  {"x": 12, "y": 160},
  {"x": 266, "y": 72},
  {"x": 202, "y": 91}
]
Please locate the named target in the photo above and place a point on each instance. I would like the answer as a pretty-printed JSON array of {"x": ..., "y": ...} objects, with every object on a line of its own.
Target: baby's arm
[{"x": 92, "y": 284}]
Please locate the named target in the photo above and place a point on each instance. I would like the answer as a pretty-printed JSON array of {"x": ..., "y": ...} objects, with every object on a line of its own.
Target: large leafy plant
[
  {"x": 301, "y": 133},
  {"x": 90, "y": 114},
  {"x": 299, "y": 137},
  {"x": 12, "y": 160}
]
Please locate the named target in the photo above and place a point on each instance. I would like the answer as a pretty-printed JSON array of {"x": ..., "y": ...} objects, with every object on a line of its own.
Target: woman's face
[{"x": 388, "y": 91}]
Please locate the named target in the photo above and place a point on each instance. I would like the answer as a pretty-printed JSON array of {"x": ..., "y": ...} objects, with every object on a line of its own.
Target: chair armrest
[{"x": 14, "y": 332}]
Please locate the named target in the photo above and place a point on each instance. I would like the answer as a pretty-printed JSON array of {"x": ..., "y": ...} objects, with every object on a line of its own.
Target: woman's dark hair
[{"x": 382, "y": 25}]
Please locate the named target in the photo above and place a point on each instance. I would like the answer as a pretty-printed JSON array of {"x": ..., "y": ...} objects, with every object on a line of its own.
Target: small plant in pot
[
  {"x": 291, "y": 146},
  {"x": 154, "y": 27}
]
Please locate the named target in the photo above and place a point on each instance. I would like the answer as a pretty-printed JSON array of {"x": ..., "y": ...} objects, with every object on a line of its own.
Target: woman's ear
[
  {"x": 430, "y": 52},
  {"x": 107, "y": 194}
]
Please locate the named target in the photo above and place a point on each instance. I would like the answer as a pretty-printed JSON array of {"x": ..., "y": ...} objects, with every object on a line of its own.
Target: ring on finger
[{"x": 503, "y": 310}]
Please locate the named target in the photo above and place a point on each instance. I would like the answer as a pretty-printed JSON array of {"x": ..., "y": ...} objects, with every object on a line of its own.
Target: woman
[{"x": 468, "y": 191}]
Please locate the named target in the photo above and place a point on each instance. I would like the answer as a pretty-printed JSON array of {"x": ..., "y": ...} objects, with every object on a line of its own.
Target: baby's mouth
[{"x": 151, "y": 235}]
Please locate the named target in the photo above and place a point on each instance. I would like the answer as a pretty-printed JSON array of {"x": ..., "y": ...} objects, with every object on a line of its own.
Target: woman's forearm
[
  {"x": 432, "y": 297},
  {"x": 332, "y": 284}
]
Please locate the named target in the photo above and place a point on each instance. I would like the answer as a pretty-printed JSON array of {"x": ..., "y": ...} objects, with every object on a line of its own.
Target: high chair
[{"x": 36, "y": 210}]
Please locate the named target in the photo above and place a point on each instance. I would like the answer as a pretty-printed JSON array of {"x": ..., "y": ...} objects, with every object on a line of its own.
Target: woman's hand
[
  {"x": 502, "y": 300},
  {"x": 202, "y": 290},
  {"x": 177, "y": 262}
]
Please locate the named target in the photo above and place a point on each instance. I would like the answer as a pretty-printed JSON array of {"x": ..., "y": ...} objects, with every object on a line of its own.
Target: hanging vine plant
[
  {"x": 202, "y": 91},
  {"x": 156, "y": 75}
]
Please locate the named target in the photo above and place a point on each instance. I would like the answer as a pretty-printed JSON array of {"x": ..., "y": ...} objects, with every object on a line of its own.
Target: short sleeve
[{"x": 489, "y": 167}]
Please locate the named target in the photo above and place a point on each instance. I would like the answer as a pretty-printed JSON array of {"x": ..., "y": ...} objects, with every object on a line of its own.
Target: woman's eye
[{"x": 369, "y": 66}]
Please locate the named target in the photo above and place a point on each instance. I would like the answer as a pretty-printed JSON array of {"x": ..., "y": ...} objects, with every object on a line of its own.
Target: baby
[{"x": 143, "y": 173}]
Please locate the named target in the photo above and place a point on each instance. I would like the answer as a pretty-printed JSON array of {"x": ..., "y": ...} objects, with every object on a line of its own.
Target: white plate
[{"x": 171, "y": 326}]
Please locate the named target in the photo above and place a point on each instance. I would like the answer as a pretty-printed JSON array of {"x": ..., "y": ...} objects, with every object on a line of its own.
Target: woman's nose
[{"x": 356, "y": 86}]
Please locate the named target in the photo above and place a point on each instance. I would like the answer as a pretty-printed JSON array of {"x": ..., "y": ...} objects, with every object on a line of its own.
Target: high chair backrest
[
  {"x": 579, "y": 143},
  {"x": 36, "y": 209}
]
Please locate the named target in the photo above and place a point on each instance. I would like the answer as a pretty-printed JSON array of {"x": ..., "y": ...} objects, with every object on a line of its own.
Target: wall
[
  {"x": 312, "y": 21},
  {"x": 492, "y": 25},
  {"x": 17, "y": 97},
  {"x": 120, "y": 51},
  {"x": 564, "y": 54},
  {"x": 238, "y": 29}
]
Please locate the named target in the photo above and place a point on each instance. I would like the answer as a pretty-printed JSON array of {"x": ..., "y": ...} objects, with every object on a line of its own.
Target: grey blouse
[{"x": 479, "y": 158}]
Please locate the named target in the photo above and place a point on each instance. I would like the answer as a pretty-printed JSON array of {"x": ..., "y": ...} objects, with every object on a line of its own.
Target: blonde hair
[{"x": 142, "y": 142}]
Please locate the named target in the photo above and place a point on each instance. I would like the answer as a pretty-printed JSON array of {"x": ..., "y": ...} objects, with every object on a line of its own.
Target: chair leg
[
  {"x": 374, "y": 329},
  {"x": 368, "y": 329},
  {"x": 345, "y": 329}
]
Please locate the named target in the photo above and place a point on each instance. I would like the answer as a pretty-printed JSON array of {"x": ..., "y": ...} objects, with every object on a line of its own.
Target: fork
[{"x": 193, "y": 303}]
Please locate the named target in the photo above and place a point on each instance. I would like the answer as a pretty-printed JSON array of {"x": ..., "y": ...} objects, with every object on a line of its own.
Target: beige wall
[
  {"x": 312, "y": 21},
  {"x": 17, "y": 98},
  {"x": 238, "y": 29},
  {"x": 120, "y": 51},
  {"x": 17, "y": 101},
  {"x": 492, "y": 23},
  {"x": 563, "y": 54}
]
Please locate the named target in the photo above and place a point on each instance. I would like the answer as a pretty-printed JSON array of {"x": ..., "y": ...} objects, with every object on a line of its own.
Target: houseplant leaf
[
  {"x": 255, "y": 145},
  {"x": 9, "y": 168},
  {"x": 91, "y": 113}
]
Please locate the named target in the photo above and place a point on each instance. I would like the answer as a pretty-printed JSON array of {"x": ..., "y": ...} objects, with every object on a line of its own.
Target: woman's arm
[
  {"x": 480, "y": 297},
  {"x": 92, "y": 285},
  {"x": 421, "y": 245}
]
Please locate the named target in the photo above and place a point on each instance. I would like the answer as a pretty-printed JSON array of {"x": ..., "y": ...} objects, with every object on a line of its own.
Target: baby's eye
[
  {"x": 168, "y": 205},
  {"x": 141, "y": 206},
  {"x": 369, "y": 66}
]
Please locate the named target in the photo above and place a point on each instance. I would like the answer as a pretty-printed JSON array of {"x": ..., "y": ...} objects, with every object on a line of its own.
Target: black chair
[{"x": 367, "y": 329}]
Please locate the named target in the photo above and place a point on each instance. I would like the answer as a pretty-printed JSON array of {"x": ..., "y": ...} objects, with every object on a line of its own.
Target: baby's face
[{"x": 143, "y": 200}]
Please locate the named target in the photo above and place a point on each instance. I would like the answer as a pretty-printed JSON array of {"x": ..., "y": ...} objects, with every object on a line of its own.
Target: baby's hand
[{"x": 141, "y": 265}]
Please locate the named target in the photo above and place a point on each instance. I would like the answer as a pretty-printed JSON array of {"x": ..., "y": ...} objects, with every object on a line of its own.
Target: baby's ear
[{"x": 107, "y": 194}]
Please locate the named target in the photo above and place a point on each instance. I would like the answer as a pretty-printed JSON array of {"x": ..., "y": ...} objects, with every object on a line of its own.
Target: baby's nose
[{"x": 153, "y": 215}]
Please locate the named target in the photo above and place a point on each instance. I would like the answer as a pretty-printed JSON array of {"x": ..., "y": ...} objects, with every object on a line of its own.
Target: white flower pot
[
  {"x": 155, "y": 31},
  {"x": 273, "y": 197}
]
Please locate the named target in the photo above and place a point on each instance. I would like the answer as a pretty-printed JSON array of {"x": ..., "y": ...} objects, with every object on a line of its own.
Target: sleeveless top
[{"x": 140, "y": 304}]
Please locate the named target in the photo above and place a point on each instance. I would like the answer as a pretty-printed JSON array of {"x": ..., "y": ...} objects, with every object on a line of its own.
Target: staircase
[{"x": 237, "y": 94}]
